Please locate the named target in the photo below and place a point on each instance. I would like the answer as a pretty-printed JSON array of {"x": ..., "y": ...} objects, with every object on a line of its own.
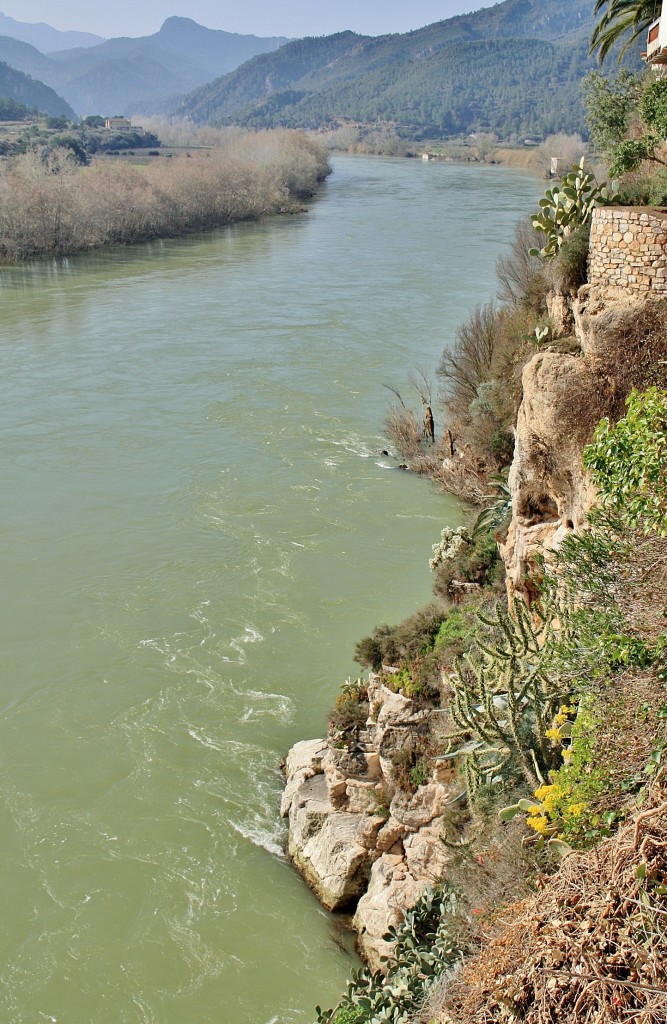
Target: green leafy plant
[
  {"x": 463, "y": 558},
  {"x": 497, "y": 508},
  {"x": 627, "y": 462},
  {"x": 569, "y": 270},
  {"x": 621, "y": 20},
  {"x": 423, "y": 950},
  {"x": 566, "y": 207},
  {"x": 350, "y": 710}
]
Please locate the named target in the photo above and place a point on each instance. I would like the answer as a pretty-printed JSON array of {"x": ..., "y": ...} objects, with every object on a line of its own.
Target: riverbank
[
  {"x": 484, "y": 149},
  {"x": 517, "y": 731},
  {"x": 52, "y": 206}
]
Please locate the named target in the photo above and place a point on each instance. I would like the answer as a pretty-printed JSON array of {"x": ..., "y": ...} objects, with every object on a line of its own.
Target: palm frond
[{"x": 621, "y": 18}]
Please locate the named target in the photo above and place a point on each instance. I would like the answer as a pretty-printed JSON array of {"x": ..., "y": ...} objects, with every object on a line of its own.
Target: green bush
[
  {"x": 424, "y": 950},
  {"x": 391, "y": 645},
  {"x": 569, "y": 269},
  {"x": 350, "y": 1015},
  {"x": 350, "y": 711},
  {"x": 477, "y": 561},
  {"x": 645, "y": 189},
  {"x": 627, "y": 462},
  {"x": 454, "y": 634},
  {"x": 653, "y": 107},
  {"x": 419, "y": 774}
]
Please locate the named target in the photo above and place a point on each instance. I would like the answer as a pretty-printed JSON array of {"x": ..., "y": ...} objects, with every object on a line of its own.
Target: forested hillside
[
  {"x": 513, "y": 69},
  {"x": 14, "y": 85},
  {"x": 527, "y": 88}
]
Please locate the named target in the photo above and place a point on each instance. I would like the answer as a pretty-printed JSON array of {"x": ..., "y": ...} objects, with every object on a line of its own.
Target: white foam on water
[
  {"x": 355, "y": 444},
  {"x": 416, "y": 515},
  {"x": 273, "y": 705},
  {"x": 249, "y": 636},
  {"x": 205, "y": 741},
  {"x": 260, "y": 837}
]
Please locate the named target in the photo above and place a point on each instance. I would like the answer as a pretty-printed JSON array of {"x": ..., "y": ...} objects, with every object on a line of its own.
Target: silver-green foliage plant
[
  {"x": 628, "y": 462},
  {"x": 566, "y": 207},
  {"x": 504, "y": 698},
  {"x": 423, "y": 951},
  {"x": 448, "y": 547}
]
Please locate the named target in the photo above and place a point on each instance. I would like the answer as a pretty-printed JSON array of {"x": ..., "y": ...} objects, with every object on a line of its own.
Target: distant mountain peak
[
  {"x": 44, "y": 37},
  {"x": 178, "y": 22}
]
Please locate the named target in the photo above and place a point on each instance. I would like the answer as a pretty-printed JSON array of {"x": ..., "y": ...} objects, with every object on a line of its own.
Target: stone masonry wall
[{"x": 628, "y": 251}]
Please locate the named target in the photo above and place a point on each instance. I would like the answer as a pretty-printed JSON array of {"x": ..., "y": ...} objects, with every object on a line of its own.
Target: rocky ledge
[{"x": 358, "y": 839}]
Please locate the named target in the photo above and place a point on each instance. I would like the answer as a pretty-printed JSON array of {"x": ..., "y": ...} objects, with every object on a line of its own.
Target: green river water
[{"x": 196, "y": 525}]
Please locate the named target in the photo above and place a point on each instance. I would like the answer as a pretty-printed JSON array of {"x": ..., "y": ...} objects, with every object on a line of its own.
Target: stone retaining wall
[{"x": 628, "y": 250}]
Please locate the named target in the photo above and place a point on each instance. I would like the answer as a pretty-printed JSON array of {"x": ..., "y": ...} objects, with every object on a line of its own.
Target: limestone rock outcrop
[
  {"x": 357, "y": 838},
  {"x": 565, "y": 394},
  {"x": 550, "y": 492}
]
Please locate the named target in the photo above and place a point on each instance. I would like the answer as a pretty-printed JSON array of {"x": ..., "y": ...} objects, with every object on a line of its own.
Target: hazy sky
[{"x": 261, "y": 17}]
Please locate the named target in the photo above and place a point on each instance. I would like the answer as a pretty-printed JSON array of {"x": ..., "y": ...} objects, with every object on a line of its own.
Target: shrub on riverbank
[
  {"x": 480, "y": 382},
  {"x": 560, "y": 712},
  {"x": 50, "y": 206}
]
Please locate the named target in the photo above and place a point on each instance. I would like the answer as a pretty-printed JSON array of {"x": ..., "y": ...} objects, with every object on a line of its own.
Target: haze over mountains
[
  {"x": 44, "y": 37},
  {"x": 16, "y": 86},
  {"x": 148, "y": 74},
  {"x": 513, "y": 69}
]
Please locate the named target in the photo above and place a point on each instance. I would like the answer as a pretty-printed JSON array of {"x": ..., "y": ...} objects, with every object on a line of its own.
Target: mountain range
[
  {"x": 148, "y": 74},
  {"x": 44, "y": 37},
  {"x": 514, "y": 69}
]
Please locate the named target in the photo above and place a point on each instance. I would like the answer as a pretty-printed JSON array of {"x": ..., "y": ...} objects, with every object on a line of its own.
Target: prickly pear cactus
[{"x": 566, "y": 206}]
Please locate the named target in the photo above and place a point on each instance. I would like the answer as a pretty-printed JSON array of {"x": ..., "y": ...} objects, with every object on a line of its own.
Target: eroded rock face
[
  {"x": 356, "y": 837},
  {"x": 394, "y": 723},
  {"x": 620, "y": 337},
  {"x": 341, "y": 837},
  {"x": 551, "y": 494},
  {"x": 391, "y": 891}
]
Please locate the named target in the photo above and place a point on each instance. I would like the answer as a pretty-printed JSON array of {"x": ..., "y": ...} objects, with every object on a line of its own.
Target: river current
[{"x": 196, "y": 525}]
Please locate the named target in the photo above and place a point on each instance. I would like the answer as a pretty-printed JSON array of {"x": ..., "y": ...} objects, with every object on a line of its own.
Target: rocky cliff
[{"x": 359, "y": 838}]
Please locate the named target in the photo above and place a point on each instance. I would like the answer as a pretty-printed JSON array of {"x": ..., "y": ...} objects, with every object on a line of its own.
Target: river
[{"x": 196, "y": 525}]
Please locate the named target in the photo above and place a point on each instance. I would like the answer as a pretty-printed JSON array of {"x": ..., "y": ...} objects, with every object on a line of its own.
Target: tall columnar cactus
[
  {"x": 504, "y": 697},
  {"x": 566, "y": 207}
]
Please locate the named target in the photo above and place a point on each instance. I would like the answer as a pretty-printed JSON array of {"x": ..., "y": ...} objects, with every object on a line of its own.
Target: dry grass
[
  {"x": 628, "y": 729},
  {"x": 462, "y": 474},
  {"x": 640, "y": 590},
  {"x": 590, "y": 948},
  {"x": 49, "y": 205},
  {"x": 630, "y": 352}
]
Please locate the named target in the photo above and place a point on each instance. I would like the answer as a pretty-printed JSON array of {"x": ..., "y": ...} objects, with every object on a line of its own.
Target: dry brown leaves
[
  {"x": 641, "y": 589},
  {"x": 590, "y": 948}
]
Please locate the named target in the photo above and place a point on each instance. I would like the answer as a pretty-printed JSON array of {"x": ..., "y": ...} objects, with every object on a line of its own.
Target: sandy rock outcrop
[
  {"x": 551, "y": 494},
  {"x": 564, "y": 395},
  {"x": 615, "y": 338},
  {"x": 356, "y": 838}
]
